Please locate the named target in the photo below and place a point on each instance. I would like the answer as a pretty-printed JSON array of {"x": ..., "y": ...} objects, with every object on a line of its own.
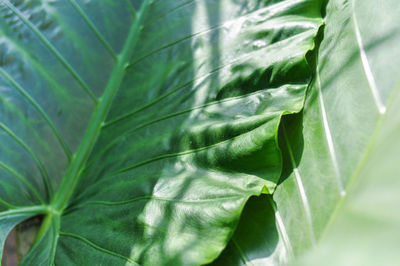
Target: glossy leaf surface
[
  {"x": 140, "y": 129},
  {"x": 340, "y": 183},
  {"x": 356, "y": 76},
  {"x": 365, "y": 226}
]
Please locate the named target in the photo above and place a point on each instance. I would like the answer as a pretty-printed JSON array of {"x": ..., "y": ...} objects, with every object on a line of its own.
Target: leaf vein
[
  {"x": 94, "y": 29},
  {"x": 328, "y": 136},
  {"x": 53, "y": 50},
  {"x": 366, "y": 66},
  {"x": 282, "y": 230},
  {"x": 300, "y": 186},
  {"x": 151, "y": 197},
  {"x": 177, "y": 88},
  {"x": 22, "y": 179},
  {"x": 170, "y": 155},
  {"x": 95, "y": 246},
  {"x": 169, "y": 116},
  {"x": 38, "y": 209},
  {"x": 40, "y": 110},
  {"x": 36, "y": 159},
  {"x": 242, "y": 255},
  {"x": 210, "y": 29},
  {"x": 74, "y": 172}
]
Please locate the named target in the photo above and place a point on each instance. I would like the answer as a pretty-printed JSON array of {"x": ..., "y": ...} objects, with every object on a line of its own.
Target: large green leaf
[
  {"x": 365, "y": 227},
  {"x": 256, "y": 241},
  {"x": 140, "y": 129},
  {"x": 351, "y": 96},
  {"x": 341, "y": 181}
]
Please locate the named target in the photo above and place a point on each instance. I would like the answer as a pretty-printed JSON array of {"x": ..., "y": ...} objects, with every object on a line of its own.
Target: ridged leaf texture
[
  {"x": 339, "y": 187},
  {"x": 138, "y": 130}
]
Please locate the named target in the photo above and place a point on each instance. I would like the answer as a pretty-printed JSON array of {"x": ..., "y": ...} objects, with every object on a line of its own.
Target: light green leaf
[
  {"x": 364, "y": 228},
  {"x": 257, "y": 240},
  {"x": 140, "y": 129},
  {"x": 341, "y": 182},
  {"x": 344, "y": 111}
]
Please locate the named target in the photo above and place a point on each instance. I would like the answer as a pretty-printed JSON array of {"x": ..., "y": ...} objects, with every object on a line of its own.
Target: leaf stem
[{"x": 43, "y": 228}]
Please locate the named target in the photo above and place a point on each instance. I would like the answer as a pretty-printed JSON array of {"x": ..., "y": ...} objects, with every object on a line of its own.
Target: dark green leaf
[{"x": 141, "y": 129}]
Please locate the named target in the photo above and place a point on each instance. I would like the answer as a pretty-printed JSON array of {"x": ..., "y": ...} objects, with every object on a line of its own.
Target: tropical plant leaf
[
  {"x": 256, "y": 240},
  {"x": 364, "y": 229},
  {"x": 261, "y": 237},
  {"x": 344, "y": 111},
  {"x": 140, "y": 129},
  {"x": 7, "y": 223},
  {"x": 342, "y": 172}
]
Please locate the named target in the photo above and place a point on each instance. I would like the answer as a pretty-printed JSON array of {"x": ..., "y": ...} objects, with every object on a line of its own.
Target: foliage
[
  {"x": 339, "y": 192},
  {"x": 144, "y": 127},
  {"x": 139, "y": 130}
]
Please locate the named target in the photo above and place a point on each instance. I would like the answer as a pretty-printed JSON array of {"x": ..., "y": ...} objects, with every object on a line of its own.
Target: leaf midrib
[
  {"x": 74, "y": 170},
  {"x": 361, "y": 163},
  {"x": 34, "y": 210},
  {"x": 89, "y": 139},
  {"x": 53, "y": 50},
  {"x": 382, "y": 111}
]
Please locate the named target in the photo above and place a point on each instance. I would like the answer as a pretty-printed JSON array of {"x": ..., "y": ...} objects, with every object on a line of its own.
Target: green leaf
[
  {"x": 342, "y": 185},
  {"x": 8, "y": 220},
  {"x": 140, "y": 129},
  {"x": 256, "y": 241},
  {"x": 350, "y": 98},
  {"x": 364, "y": 229}
]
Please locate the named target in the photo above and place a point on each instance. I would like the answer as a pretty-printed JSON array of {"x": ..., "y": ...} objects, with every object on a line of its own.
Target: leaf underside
[{"x": 140, "y": 129}]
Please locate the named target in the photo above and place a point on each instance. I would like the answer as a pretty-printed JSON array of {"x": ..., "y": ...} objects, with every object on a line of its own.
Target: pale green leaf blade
[
  {"x": 348, "y": 134},
  {"x": 349, "y": 121},
  {"x": 365, "y": 229},
  {"x": 366, "y": 223}
]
